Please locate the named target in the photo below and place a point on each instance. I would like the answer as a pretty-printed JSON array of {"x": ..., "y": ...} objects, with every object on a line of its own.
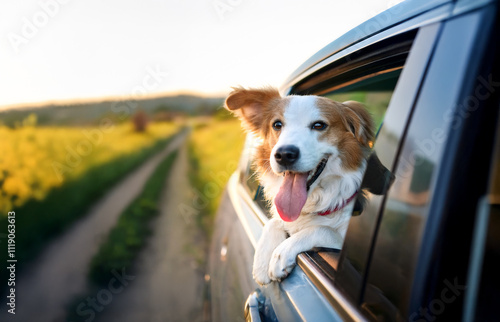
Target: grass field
[
  {"x": 214, "y": 150},
  {"x": 45, "y": 206}
]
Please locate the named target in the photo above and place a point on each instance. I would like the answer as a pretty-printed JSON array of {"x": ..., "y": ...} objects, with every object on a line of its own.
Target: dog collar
[{"x": 339, "y": 207}]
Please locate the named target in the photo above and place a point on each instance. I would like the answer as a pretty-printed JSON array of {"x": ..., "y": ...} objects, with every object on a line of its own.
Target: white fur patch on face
[
  {"x": 299, "y": 116},
  {"x": 301, "y": 111}
]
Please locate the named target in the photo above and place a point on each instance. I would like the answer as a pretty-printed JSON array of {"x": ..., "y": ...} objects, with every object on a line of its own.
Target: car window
[{"x": 376, "y": 83}]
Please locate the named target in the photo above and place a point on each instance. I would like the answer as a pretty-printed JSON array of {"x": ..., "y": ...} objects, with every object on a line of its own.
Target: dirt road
[
  {"x": 169, "y": 277},
  {"x": 60, "y": 272}
]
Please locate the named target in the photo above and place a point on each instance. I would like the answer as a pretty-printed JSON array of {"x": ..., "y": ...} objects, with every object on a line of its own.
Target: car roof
[{"x": 395, "y": 15}]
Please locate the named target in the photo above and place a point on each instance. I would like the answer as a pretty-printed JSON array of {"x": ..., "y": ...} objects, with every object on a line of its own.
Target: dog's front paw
[
  {"x": 282, "y": 262},
  {"x": 261, "y": 275},
  {"x": 260, "y": 270},
  {"x": 272, "y": 236}
]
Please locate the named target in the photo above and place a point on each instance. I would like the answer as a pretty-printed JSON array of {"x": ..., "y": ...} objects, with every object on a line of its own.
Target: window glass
[
  {"x": 257, "y": 192},
  {"x": 249, "y": 176},
  {"x": 376, "y": 94}
]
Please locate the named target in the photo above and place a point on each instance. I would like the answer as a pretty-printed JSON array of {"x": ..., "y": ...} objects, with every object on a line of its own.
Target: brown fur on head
[
  {"x": 255, "y": 107},
  {"x": 351, "y": 128},
  {"x": 252, "y": 106}
]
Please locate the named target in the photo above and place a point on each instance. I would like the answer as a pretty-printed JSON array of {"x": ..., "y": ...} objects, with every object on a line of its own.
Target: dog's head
[{"x": 301, "y": 135}]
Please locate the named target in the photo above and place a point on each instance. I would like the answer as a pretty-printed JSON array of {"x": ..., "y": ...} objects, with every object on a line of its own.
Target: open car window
[
  {"x": 385, "y": 77},
  {"x": 368, "y": 76}
]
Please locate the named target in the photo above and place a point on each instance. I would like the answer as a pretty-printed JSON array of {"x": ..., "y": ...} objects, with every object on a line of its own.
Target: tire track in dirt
[{"x": 169, "y": 277}]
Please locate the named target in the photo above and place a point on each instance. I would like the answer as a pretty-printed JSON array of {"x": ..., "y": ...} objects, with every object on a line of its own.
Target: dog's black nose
[{"x": 287, "y": 155}]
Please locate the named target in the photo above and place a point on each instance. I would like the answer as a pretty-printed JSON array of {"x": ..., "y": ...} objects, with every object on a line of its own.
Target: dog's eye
[
  {"x": 319, "y": 126},
  {"x": 277, "y": 125}
]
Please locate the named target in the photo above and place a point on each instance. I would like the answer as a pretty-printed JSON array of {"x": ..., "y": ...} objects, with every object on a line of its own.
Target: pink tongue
[{"x": 292, "y": 196}]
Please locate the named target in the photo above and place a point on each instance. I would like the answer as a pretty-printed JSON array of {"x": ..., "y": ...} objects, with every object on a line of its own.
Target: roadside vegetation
[
  {"x": 46, "y": 204},
  {"x": 215, "y": 146},
  {"x": 132, "y": 229},
  {"x": 117, "y": 253}
]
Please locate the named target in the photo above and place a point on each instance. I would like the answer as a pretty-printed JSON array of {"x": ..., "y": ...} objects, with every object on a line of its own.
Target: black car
[{"x": 427, "y": 245}]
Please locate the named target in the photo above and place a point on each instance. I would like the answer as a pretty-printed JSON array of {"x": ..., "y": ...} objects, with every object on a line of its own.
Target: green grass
[
  {"x": 214, "y": 150},
  {"x": 126, "y": 239},
  {"x": 37, "y": 222}
]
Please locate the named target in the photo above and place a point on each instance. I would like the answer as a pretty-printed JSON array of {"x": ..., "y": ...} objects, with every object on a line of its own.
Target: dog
[{"x": 311, "y": 159}]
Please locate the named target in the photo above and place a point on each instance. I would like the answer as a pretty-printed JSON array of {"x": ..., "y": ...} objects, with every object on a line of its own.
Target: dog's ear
[
  {"x": 250, "y": 105},
  {"x": 359, "y": 122}
]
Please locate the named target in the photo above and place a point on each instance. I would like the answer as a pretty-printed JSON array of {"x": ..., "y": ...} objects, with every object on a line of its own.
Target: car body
[{"x": 426, "y": 247}]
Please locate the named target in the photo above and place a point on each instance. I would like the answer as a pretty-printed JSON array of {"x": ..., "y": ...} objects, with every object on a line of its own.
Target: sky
[{"x": 59, "y": 50}]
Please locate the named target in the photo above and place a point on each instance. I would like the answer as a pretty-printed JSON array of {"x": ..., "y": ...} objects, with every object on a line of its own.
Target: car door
[{"x": 310, "y": 292}]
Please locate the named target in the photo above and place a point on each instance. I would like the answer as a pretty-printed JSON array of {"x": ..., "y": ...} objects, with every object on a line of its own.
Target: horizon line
[{"x": 98, "y": 99}]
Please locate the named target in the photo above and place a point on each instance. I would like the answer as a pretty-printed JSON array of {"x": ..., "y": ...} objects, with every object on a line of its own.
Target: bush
[
  {"x": 214, "y": 150},
  {"x": 140, "y": 121}
]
